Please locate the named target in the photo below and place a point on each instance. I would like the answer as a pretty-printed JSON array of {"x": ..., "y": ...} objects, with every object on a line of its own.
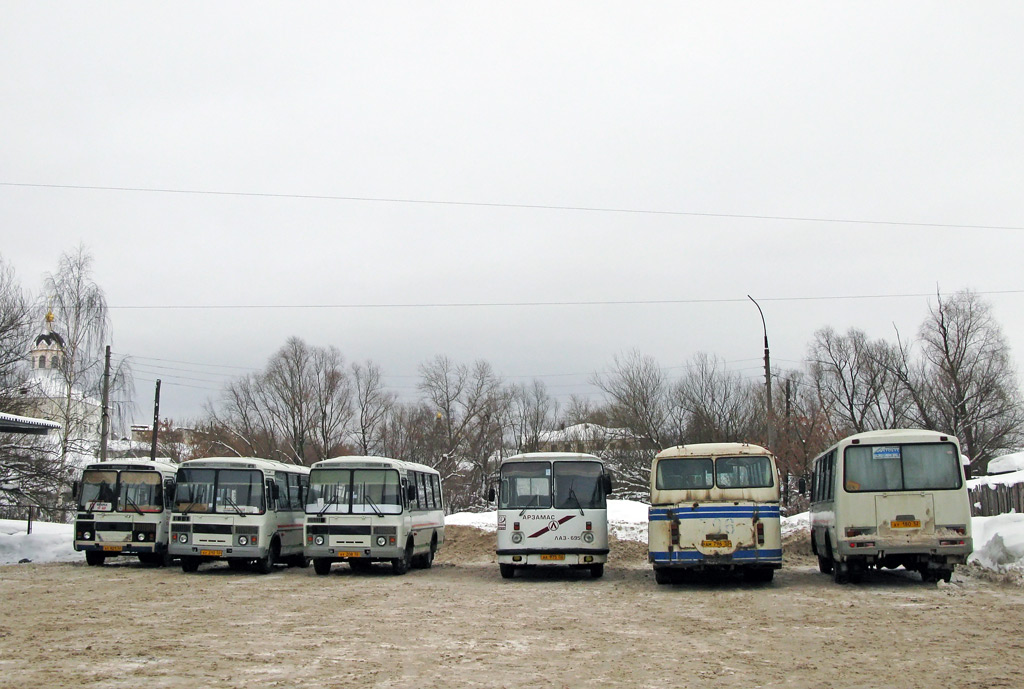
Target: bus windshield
[
  {"x": 744, "y": 472},
  {"x": 918, "y": 466},
  {"x": 354, "y": 491},
  {"x": 525, "y": 484},
  {"x": 697, "y": 473},
  {"x": 99, "y": 491},
  {"x": 704, "y": 473},
  {"x": 578, "y": 485},
  {"x": 226, "y": 491},
  {"x": 141, "y": 491}
]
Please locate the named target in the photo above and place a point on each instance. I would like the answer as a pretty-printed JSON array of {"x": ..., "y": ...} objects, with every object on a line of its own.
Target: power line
[
  {"x": 528, "y": 206},
  {"x": 623, "y": 302}
]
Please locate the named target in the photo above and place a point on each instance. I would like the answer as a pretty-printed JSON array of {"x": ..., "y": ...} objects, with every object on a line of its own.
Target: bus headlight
[
  {"x": 588, "y": 536},
  {"x": 243, "y": 540},
  {"x": 87, "y": 536},
  {"x": 183, "y": 538},
  {"x": 382, "y": 541},
  {"x": 140, "y": 536},
  {"x": 517, "y": 536},
  {"x": 319, "y": 540}
]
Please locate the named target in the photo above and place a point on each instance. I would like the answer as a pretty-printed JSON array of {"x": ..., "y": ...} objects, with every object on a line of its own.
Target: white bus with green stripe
[
  {"x": 714, "y": 508},
  {"x": 362, "y": 510},
  {"x": 124, "y": 509},
  {"x": 887, "y": 499},
  {"x": 552, "y": 511},
  {"x": 245, "y": 510}
]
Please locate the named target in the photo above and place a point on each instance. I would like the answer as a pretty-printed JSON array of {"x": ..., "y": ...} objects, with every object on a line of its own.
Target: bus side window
[
  {"x": 282, "y": 490},
  {"x": 428, "y": 485},
  {"x": 436, "y": 480},
  {"x": 421, "y": 491},
  {"x": 303, "y": 489},
  {"x": 814, "y": 482},
  {"x": 295, "y": 503},
  {"x": 831, "y": 475}
]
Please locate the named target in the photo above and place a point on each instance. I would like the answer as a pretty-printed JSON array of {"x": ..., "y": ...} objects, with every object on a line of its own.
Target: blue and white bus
[{"x": 715, "y": 508}]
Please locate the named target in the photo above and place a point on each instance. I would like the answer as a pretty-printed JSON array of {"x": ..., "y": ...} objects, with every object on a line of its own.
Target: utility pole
[
  {"x": 105, "y": 417},
  {"x": 156, "y": 421},
  {"x": 767, "y": 378}
]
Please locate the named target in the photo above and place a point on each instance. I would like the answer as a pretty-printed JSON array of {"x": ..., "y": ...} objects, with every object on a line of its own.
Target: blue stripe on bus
[
  {"x": 740, "y": 556},
  {"x": 749, "y": 514}
]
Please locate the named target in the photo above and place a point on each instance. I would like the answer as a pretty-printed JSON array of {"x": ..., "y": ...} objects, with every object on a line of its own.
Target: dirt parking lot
[{"x": 460, "y": 625}]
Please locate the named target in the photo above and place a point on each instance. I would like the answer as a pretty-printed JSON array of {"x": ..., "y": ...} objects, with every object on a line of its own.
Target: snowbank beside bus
[{"x": 47, "y": 542}]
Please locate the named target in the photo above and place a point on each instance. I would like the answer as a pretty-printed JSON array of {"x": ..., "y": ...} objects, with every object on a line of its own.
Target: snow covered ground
[{"x": 998, "y": 541}]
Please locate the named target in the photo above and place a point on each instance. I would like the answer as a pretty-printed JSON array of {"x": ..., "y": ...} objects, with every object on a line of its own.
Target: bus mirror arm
[
  {"x": 74, "y": 490},
  {"x": 490, "y": 494},
  {"x": 607, "y": 479},
  {"x": 802, "y": 486},
  {"x": 275, "y": 492}
]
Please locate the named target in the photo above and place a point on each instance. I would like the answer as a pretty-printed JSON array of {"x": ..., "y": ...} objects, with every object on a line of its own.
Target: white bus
[
  {"x": 363, "y": 510},
  {"x": 124, "y": 509},
  {"x": 714, "y": 508},
  {"x": 890, "y": 498},
  {"x": 552, "y": 510},
  {"x": 240, "y": 509}
]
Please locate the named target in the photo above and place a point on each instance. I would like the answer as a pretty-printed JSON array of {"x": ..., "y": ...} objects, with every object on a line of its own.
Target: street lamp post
[{"x": 767, "y": 378}]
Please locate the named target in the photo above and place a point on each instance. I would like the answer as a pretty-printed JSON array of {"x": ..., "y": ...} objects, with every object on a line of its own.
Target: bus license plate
[
  {"x": 549, "y": 556},
  {"x": 112, "y": 548},
  {"x": 716, "y": 544},
  {"x": 915, "y": 524},
  {"x": 342, "y": 553},
  {"x": 211, "y": 553}
]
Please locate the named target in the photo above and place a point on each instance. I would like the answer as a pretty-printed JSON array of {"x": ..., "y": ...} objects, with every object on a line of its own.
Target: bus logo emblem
[{"x": 553, "y": 526}]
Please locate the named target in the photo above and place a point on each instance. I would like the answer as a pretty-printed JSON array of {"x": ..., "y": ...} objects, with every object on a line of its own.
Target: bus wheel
[
  {"x": 94, "y": 558},
  {"x": 400, "y": 565},
  {"x": 321, "y": 565},
  {"x": 841, "y": 572},
  {"x": 189, "y": 564},
  {"x": 663, "y": 575},
  {"x": 825, "y": 563},
  {"x": 507, "y": 571},
  {"x": 597, "y": 570},
  {"x": 265, "y": 565}
]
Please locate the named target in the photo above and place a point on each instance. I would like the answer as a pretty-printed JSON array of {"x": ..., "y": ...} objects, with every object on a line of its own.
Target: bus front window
[
  {"x": 578, "y": 485},
  {"x": 195, "y": 490},
  {"x": 376, "y": 491},
  {"x": 525, "y": 485},
  {"x": 99, "y": 491},
  {"x": 141, "y": 491},
  {"x": 239, "y": 491},
  {"x": 329, "y": 491}
]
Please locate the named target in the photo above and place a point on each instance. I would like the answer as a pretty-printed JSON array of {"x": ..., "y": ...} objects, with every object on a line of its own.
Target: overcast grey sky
[{"x": 905, "y": 113}]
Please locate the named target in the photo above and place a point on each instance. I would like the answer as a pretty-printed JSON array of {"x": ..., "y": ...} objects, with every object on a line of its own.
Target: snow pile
[
  {"x": 999, "y": 542},
  {"x": 627, "y": 519},
  {"x": 1007, "y": 479},
  {"x": 792, "y": 526},
  {"x": 47, "y": 542},
  {"x": 1007, "y": 463}
]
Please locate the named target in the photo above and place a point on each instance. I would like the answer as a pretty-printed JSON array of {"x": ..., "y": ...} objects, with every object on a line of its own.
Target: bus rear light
[
  {"x": 760, "y": 533},
  {"x": 589, "y": 526},
  {"x": 862, "y": 544},
  {"x": 952, "y": 542},
  {"x": 958, "y": 530}
]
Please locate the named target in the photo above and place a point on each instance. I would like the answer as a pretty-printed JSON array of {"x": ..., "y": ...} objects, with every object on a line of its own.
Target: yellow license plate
[
  {"x": 112, "y": 548},
  {"x": 345, "y": 553},
  {"x": 716, "y": 544},
  {"x": 915, "y": 524},
  {"x": 211, "y": 553},
  {"x": 559, "y": 556}
]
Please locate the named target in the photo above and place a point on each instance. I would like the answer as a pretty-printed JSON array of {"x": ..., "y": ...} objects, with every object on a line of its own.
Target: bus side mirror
[
  {"x": 169, "y": 486},
  {"x": 606, "y": 480},
  {"x": 275, "y": 491},
  {"x": 411, "y": 494},
  {"x": 802, "y": 486},
  {"x": 74, "y": 490},
  {"x": 490, "y": 494}
]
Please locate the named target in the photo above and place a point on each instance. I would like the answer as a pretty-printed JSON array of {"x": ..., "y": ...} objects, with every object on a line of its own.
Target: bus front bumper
[
  {"x": 554, "y": 558},
  {"x": 318, "y": 552},
  {"x": 113, "y": 549}
]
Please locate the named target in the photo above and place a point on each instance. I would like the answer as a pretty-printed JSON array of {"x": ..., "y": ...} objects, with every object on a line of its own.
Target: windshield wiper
[
  {"x": 572, "y": 494},
  {"x": 327, "y": 506},
  {"x": 231, "y": 503},
  {"x": 134, "y": 504},
  {"x": 192, "y": 504},
  {"x": 366, "y": 497},
  {"x": 534, "y": 497}
]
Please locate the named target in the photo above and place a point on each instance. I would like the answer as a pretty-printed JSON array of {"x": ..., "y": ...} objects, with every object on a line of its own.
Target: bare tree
[
  {"x": 531, "y": 411},
  {"x": 332, "y": 402},
  {"x": 15, "y": 320},
  {"x": 637, "y": 394},
  {"x": 719, "y": 406},
  {"x": 969, "y": 386},
  {"x": 373, "y": 404}
]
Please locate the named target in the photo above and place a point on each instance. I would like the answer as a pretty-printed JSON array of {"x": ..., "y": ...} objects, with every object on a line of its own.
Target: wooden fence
[{"x": 988, "y": 501}]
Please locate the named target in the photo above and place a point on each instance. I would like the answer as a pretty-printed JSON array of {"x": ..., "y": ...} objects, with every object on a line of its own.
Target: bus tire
[
  {"x": 94, "y": 558},
  {"x": 597, "y": 570},
  {"x": 265, "y": 564},
  {"x": 400, "y": 565},
  {"x": 425, "y": 560},
  {"x": 841, "y": 572},
  {"x": 322, "y": 565},
  {"x": 189, "y": 564},
  {"x": 663, "y": 575},
  {"x": 507, "y": 571},
  {"x": 825, "y": 562}
]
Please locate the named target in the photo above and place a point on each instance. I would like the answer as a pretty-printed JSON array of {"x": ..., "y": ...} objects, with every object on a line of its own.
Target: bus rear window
[
  {"x": 744, "y": 472},
  {"x": 918, "y": 466},
  {"x": 686, "y": 474}
]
